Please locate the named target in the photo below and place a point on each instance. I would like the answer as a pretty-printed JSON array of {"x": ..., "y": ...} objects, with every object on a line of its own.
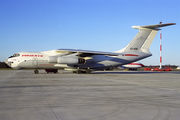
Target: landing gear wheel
[
  {"x": 36, "y": 71},
  {"x": 78, "y": 71},
  {"x": 88, "y": 71}
]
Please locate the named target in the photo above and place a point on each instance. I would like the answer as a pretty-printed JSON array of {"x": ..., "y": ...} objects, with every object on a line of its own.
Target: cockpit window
[{"x": 15, "y": 55}]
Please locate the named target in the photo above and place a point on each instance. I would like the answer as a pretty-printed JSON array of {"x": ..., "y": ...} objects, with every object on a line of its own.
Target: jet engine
[
  {"x": 66, "y": 60},
  {"x": 70, "y": 60},
  {"x": 52, "y": 59}
]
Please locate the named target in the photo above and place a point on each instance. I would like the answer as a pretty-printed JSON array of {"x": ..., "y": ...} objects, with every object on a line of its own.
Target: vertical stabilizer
[{"x": 144, "y": 38}]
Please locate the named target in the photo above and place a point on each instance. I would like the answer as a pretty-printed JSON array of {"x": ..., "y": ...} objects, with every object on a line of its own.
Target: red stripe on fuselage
[
  {"x": 32, "y": 55},
  {"x": 130, "y": 55}
]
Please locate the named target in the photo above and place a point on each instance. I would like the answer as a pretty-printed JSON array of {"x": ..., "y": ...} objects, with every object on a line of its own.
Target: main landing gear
[
  {"x": 51, "y": 70},
  {"x": 88, "y": 71}
]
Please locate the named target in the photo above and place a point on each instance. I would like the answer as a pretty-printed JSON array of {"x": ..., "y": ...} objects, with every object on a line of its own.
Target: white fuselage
[{"x": 50, "y": 60}]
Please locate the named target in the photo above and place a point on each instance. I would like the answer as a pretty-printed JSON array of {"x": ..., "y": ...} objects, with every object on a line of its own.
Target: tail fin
[{"x": 143, "y": 40}]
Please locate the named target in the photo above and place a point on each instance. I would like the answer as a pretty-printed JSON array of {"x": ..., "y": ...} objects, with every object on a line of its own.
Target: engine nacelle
[
  {"x": 52, "y": 59},
  {"x": 70, "y": 60}
]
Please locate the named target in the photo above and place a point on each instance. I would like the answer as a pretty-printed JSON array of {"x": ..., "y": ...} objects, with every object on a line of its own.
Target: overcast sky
[{"x": 100, "y": 25}]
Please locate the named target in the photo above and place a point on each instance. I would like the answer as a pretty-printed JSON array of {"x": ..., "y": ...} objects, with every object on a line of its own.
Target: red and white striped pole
[{"x": 160, "y": 48}]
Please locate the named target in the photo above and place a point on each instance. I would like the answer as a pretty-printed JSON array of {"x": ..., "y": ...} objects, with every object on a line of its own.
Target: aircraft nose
[{"x": 7, "y": 62}]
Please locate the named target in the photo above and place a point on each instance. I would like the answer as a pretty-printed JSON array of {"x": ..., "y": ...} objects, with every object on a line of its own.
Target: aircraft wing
[{"x": 84, "y": 53}]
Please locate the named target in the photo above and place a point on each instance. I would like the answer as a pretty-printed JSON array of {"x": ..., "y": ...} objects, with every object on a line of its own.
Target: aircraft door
[{"x": 35, "y": 62}]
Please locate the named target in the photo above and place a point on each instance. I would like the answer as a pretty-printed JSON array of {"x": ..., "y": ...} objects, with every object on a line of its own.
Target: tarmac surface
[{"x": 112, "y": 95}]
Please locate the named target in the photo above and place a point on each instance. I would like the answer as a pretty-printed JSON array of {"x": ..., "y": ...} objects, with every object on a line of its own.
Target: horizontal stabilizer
[{"x": 153, "y": 27}]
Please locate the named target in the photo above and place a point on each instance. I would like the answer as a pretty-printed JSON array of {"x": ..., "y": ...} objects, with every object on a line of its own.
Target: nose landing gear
[{"x": 36, "y": 71}]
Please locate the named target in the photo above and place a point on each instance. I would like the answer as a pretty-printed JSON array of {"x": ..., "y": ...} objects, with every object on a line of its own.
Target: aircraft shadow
[{"x": 135, "y": 72}]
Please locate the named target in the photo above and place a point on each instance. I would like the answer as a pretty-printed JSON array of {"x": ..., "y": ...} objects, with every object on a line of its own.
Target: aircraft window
[{"x": 15, "y": 55}]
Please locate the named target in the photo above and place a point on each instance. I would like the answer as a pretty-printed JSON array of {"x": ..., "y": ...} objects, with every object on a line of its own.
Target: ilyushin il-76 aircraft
[{"x": 85, "y": 61}]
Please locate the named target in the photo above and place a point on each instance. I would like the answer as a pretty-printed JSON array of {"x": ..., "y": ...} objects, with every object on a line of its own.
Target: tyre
[
  {"x": 88, "y": 71},
  {"x": 78, "y": 71},
  {"x": 36, "y": 71}
]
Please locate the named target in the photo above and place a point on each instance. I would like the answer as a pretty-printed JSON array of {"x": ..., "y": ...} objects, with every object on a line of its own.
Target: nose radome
[{"x": 7, "y": 62}]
